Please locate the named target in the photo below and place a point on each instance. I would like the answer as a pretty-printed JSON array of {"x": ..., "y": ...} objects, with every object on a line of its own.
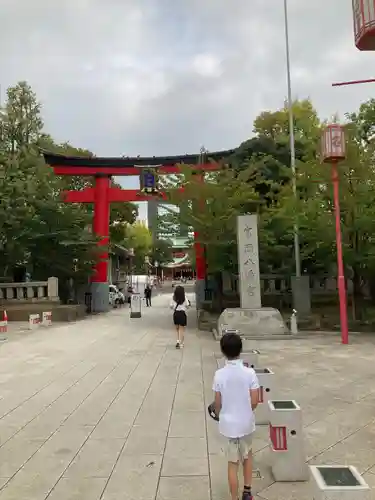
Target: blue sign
[{"x": 149, "y": 180}]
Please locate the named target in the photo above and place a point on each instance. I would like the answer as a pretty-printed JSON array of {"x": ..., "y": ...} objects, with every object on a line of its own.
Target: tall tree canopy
[{"x": 37, "y": 231}]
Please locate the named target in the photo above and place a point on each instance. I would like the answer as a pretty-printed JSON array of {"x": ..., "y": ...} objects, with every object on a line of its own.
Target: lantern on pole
[
  {"x": 364, "y": 24},
  {"x": 333, "y": 143},
  {"x": 149, "y": 181},
  {"x": 333, "y": 151}
]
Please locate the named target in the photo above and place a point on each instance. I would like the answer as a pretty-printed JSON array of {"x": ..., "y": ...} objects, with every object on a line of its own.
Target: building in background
[
  {"x": 181, "y": 266},
  {"x": 120, "y": 265}
]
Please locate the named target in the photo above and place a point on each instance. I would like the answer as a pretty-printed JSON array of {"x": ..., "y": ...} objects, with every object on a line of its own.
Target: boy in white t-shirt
[{"x": 236, "y": 390}]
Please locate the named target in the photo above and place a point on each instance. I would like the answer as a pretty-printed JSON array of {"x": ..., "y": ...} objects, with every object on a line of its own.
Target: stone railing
[
  {"x": 275, "y": 284},
  {"x": 31, "y": 291}
]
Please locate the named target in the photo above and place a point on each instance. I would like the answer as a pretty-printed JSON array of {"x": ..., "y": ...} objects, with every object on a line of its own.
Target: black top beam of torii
[{"x": 135, "y": 161}]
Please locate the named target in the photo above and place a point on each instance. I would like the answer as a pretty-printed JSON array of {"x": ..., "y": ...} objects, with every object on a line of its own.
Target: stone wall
[{"x": 29, "y": 291}]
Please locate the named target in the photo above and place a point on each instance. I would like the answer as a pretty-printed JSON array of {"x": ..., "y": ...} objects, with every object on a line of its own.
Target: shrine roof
[
  {"x": 178, "y": 262},
  {"x": 135, "y": 161}
]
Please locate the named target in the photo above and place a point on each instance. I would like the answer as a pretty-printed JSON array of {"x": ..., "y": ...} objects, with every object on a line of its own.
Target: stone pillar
[
  {"x": 248, "y": 261},
  {"x": 53, "y": 289},
  {"x": 227, "y": 282},
  {"x": 301, "y": 295}
]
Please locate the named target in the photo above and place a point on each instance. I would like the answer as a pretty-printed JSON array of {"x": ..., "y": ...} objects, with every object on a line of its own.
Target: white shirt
[
  {"x": 181, "y": 307},
  {"x": 234, "y": 383}
]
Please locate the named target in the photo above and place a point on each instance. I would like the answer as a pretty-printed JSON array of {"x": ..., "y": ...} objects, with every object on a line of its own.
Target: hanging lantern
[
  {"x": 364, "y": 24},
  {"x": 333, "y": 143},
  {"x": 149, "y": 180}
]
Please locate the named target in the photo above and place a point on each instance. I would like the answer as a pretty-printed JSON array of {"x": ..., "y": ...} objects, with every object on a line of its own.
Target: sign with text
[
  {"x": 135, "y": 305},
  {"x": 149, "y": 180},
  {"x": 248, "y": 261}
]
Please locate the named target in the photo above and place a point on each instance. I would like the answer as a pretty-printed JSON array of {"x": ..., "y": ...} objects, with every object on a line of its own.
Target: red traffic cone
[{"x": 5, "y": 316}]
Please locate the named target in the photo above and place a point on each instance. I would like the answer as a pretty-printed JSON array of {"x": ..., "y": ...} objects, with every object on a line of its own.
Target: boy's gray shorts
[{"x": 238, "y": 449}]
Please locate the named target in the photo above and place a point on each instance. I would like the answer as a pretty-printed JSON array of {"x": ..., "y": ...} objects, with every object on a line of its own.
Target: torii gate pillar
[
  {"x": 200, "y": 260},
  {"x": 99, "y": 280}
]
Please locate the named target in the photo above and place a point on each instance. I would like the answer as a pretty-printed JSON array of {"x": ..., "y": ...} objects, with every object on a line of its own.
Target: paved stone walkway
[{"x": 108, "y": 409}]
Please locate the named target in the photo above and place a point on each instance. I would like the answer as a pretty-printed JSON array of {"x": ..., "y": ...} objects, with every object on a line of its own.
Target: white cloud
[
  {"x": 207, "y": 65},
  {"x": 153, "y": 77}
]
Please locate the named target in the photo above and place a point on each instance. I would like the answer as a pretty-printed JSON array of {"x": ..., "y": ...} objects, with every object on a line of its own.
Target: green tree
[
  {"x": 21, "y": 121},
  {"x": 38, "y": 231},
  {"x": 162, "y": 251},
  {"x": 307, "y": 127},
  {"x": 210, "y": 208},
  {"x": 139, "y": 238}
]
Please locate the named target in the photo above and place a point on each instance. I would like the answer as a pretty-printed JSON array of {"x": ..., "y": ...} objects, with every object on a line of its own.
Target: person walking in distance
[
  {"x": 148, "y": 293},
  {"x": 236, "y": 390},
  {"x": 180, "y": 305}
]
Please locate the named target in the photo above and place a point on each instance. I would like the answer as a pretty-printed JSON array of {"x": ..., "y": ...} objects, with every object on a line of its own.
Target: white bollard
[
  {"x": 286, "y": 442},
  {"x": 293, "y": 323},
  {"x": 47, "y": 319},
  {"x": 34, "y": 321},
  {"x": 3, "y": 326},
  {"x": 251, "y": 358},
  {"x": 266, "y": 382},
  {"x": 136, "y": 306},
  {"x": 338, "y": 482}
]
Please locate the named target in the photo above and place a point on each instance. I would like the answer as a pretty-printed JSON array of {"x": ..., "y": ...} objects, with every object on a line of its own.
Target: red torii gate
[{"x": 103, "y": 194}]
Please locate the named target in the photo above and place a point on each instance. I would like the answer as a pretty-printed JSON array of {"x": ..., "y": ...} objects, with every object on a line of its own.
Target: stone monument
[
  {"x": 248, "y": 261},
  {"x": 251, "y": 319}
]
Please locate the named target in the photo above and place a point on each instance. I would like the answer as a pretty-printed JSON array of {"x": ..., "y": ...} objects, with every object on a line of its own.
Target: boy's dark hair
[{"x": 231, "y": 345}]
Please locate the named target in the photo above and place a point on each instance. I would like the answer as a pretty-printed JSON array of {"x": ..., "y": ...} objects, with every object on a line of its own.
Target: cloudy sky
[{"x": 155, "y": 77}]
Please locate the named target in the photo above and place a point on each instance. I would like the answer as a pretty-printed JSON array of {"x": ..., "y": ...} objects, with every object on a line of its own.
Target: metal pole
[
  {"x": 354, "y": 82},
  {"x": 340, "y": 265},
  {"x": 292, "y": 140}
]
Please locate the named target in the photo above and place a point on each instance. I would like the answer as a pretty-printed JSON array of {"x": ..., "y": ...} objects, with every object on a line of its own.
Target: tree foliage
[
  {"x": 139, "y": 237},
  {"x": 38, "y": 232},
  {"x": 162, "y": 252},
  {"x": 258, "y": 180}
]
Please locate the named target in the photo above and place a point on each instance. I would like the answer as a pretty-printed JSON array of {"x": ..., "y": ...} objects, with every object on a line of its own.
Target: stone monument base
[{"x": 253, "y": 323}]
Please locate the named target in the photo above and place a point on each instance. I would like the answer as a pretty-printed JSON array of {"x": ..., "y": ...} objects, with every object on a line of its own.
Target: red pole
[
  {"x": 200, "y": 261},
  {"x": 199, "y": 258},
  {"x": 101, "y": 226},
  {"x": 340, "y": 265},
  {"x": 354, "y": 82}
]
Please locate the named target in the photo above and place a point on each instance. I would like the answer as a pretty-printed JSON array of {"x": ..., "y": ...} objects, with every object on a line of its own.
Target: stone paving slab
[{"x": 108, "y": 409}]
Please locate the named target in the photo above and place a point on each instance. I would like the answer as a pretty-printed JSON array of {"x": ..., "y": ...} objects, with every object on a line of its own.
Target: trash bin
[
  {"x": 286, "y": 441},
  {"x": 251, "y": 358},
  {"x": 266, "y": 383}
]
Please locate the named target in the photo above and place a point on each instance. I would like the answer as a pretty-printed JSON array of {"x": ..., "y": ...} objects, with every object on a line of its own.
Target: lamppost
[
  {"x": 292, "y": 139},
  {"x": 333, "y": 150},
  {"x": 156, "y": 265},
  {"x": 364, "y": 33}
]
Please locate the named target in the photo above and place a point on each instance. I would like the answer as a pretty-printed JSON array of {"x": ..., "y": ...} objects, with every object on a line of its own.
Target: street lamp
[
  {"x": 156, "y": 265},
  {"x": 333, "y": 150},
  {"x": 292, "y": 139}
]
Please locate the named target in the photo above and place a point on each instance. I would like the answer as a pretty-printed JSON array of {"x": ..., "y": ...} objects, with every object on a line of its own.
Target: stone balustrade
[
  {"x": 275, "y": 284},
  {"x": 31, "y": 291}
]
